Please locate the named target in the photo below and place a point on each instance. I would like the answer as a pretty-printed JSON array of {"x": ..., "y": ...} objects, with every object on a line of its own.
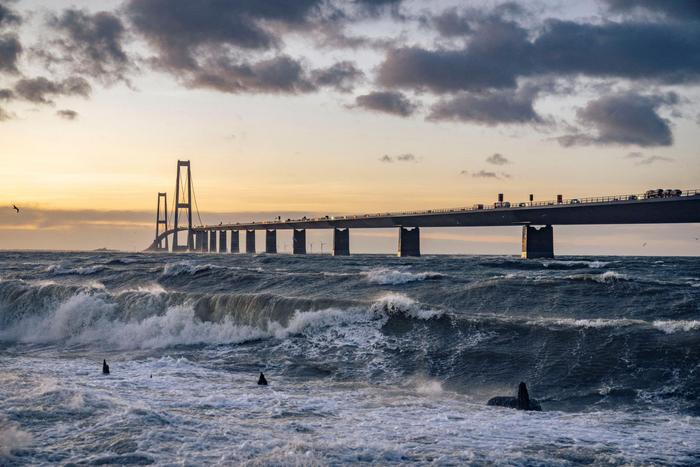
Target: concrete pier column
[
  {"x": 250, "y": 241},
  {"x": 222, "y": 241},
  {"x": 341, "y": 242},
  {"x": 270, "y": 241},
  {"x": 538, "y": 242},
  {"x": 198, "y": 241},
  {"x": 235, "y": 241},
  {"x": 299, "y": 242},
  {"x": 409, "y": 242},
  {"x": 212, "y": 241}
]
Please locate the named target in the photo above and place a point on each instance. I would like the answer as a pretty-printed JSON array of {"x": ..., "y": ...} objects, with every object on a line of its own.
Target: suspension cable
[{"x": 196, "y": 206}]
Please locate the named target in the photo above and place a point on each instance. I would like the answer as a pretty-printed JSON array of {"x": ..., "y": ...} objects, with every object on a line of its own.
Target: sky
[{"x": 310, "y": 107}]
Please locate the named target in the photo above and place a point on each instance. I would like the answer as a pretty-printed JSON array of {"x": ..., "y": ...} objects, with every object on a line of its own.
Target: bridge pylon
[
  {"x": 161, "y": 220},
  {"x": 183, "y": 191}
]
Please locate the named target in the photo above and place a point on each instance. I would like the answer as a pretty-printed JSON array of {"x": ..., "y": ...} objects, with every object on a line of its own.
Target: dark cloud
[
  {"x": 41, "y": 90},
  {"x": 281, "y": 74},
  {"x": 92, "y": 44},
  {"x": 456, "y": 22},
  {"x": 341, "y": 76},
  {"x": 6, "y": 95},
  {"x": 10, "y": 51},
  {"x": 451, "y": 23},
  {"x": 8, "y": 17},
  {"x": 182, "y": 30},
  {"x": 226, "y": 46},
  {"x": 491, "y": 108},
  {"x": 390, "y": 102},
  {"x": 499, "y": 52},
  {"x": 624, "y": 119},
  {"x": 408, "y": 157},
  {"x": 497, "y": 159},
  {"x": 67, "y": 114},
  {"x": 683, "y": 9}
]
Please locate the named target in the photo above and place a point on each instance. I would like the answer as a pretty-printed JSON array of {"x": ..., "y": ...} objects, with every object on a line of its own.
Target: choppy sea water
[{"x": 370, "y": 359}]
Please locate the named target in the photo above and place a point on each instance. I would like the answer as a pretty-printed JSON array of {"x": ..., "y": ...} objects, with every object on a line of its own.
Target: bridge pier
[
  {"x": 235, "y": 241},
  {"x": 299, "y": 241},
  {"x": 270, "y": 241},
  {"x": 205, "y": 241},
  {"x": 198, "y": 241},
  {"x": 341, "y": 242},
  {"x": 250, "y": 241},
  {"x": 409, "y": 241},
  {"x": 222, "y": 241},
  {"x": 212, "y": 241},
  {"x": 538, "y": 242}
]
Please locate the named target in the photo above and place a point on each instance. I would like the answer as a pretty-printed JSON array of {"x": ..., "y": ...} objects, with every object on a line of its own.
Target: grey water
[{"x": 370, "y": 359}]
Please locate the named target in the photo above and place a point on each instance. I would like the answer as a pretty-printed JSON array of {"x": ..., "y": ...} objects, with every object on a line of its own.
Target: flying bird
[
  {"x": 644, "y": 244},
  {"x": 15, "y": 208}
]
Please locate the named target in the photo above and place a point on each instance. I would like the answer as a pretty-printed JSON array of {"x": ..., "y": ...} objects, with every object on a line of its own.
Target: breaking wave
[{"x": 385, "y": 276}]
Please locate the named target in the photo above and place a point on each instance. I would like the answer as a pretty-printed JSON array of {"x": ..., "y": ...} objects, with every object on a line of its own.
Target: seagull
[
  {"x": 644, "y": 244},
  {"x": 15, "y": 208}
]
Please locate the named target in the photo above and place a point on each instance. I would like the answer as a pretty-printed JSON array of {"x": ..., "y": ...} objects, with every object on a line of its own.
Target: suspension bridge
[{"x": 537, "y": 219}]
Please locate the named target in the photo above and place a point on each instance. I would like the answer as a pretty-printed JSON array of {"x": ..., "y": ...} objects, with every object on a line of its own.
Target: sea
[{"x": 371, "y": 360}]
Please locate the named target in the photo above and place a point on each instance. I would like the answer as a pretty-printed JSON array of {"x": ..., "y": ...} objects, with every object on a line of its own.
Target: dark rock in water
[
  {"x": 522, "y": 402},
  {"x": 262, "y": 381},
  {"x": 105, "y": 367}
]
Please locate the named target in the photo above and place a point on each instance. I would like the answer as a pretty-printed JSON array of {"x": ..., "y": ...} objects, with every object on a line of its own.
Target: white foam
[
  {"x": 596, "y": 264},
  {"x": 670, "y": 327},
  {"x": 400, "y": 304},
  {"x": 384, "y": 276},
  {"x": 12, "y": 438}
]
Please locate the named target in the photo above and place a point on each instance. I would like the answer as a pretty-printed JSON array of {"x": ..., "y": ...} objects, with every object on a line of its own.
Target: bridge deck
[{"x": 611, "y": 210}]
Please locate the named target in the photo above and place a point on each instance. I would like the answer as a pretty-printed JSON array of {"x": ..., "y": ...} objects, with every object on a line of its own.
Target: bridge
[{"x": 537, "y": 219}]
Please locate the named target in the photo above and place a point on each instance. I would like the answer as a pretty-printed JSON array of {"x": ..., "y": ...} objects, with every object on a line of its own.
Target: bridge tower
[
  {"x": 161, "y": 220},
  {"x": 184, "y": 191}
]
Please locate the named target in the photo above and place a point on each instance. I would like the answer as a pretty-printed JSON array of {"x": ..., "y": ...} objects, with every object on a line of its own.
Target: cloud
[
  {"x": 8, "y": 17},
  {"x": 651, "y": 159},
  {"x": 499, "y": 52},
  {"x": 390, "y": 102},
  {"x": 201, "y": 42},
  {"x": 451, "y": 23},
  {"x": 67, "y": 114},
  {"x": 5, "y": 115},
  {"x": 40, "y": 90},
  {"x": 624, "y": 119},
  {"x": 497, "y": 159},
  {"x": 341, "y": 76},
  {"x": 408, "y": 157},
  {"x": 641, "y": 159},
  {"x": 682, "y": 9},
  {"x": 490, "y": 108},
  {"x": 91, "y": 44},
  {"x": 6, "y": 95},
  {"x": 10, "y": 51},
  {"x": 486, "y": 174}
]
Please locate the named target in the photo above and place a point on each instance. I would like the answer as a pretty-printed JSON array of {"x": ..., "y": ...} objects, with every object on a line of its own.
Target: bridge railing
[{"x": 493, "y": 206}]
